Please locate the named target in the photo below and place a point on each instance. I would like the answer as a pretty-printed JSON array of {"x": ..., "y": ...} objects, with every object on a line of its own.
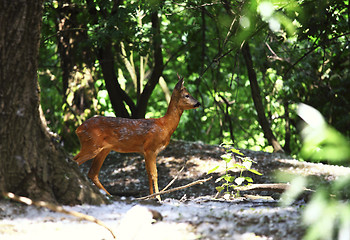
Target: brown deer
[{"x": 99, "y": 135}]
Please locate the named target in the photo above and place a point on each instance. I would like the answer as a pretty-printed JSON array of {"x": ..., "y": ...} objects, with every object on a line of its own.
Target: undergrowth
[{"x": 234, "y": 160}]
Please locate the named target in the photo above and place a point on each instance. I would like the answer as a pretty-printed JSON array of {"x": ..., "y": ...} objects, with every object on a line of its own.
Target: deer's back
[{"x": 121, "y": 134}]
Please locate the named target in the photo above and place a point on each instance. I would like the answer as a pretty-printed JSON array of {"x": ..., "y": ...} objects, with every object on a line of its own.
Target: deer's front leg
[
  {"x": 95, "y": 168},
  {"x": 151, "y": 168}
]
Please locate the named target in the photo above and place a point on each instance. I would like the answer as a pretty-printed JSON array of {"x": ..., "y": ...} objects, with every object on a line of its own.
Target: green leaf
[
  {"x": 295, "y": 189},
  {"x": 238, "y": 165},
  {"x": 254, "y": 171},
  {"x": 236, "y": 151},
  {"x": 247, "y": 164},
  {"x": 229, "y": 178},
  {"x": 219, "y": 179},
  {"x": 219, "y": 189},
  {"x": 226, "y": 157},
  {"x": 239, "y": 180},
  {"x": 249, "y": 179},
  {"x": 213, "y": 170},
  {"x": 99, "y": 83}
]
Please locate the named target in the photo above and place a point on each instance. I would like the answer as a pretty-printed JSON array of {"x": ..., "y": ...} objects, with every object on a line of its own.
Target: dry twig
[
  {"x": 177, "y": 188},
  {"x": 276, "y": 187},
  {"x": 59, "y": 209},
  {"x": 172, "y": 181}
]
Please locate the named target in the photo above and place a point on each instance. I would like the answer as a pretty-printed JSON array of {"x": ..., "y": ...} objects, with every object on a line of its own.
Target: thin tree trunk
[
  {"x": 254, "y": 87},
  {"x": 287, "y": 127},
  {"x": 32, "y": 164}
]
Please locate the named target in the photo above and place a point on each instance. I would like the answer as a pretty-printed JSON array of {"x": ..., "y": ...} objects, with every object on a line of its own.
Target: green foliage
[
  {"x": 243, "y": 164},
  {"x": 299, "y": 51},
  {"x": 327, "y": 215},
  {"x": 103, "y": 103},
  {"x": 321, "y": 142}
]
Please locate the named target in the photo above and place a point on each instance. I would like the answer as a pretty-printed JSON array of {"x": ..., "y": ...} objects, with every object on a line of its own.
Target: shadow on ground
[{"x": 125, "y": 174}]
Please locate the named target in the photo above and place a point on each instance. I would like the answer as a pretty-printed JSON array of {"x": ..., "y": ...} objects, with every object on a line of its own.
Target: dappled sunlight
[
  {"x": 330, "y": 172},
  {"x": 187, "y": 213}
]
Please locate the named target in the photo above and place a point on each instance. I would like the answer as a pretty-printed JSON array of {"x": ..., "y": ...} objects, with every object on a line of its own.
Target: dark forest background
[{"x": 248, "y": 62}]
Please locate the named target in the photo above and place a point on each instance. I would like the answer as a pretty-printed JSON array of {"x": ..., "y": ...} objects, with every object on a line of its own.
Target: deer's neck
[{"x": 172, "y": 116}]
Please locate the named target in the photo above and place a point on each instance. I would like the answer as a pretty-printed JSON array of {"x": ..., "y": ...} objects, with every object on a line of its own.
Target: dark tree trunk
[
  {"x": 64, "y": 43},
  {"x": 31, "y": 163},
  {"x": 287, "y": 127},
  {"x": 106, "y": 57},
  {"x": 157, "y": 71},
  {"x": 254, "y": 86},
  {"x": 115, "y": 92},
  {"x": 119, "y": 98}
]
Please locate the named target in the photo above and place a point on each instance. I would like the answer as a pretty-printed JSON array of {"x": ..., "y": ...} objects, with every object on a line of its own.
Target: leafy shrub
[{"x": 231, "y": 183}]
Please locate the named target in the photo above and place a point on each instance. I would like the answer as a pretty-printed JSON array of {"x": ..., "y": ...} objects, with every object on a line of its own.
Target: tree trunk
[
  {"x": 254, "y": 86},
  {"x": 118, "y": 97},
  {"x": 115, "y": 92},
  {"x": 64, "y": 44},
  {"x": 157, "y": 71},
  {"x": 31, "y": 163},
  {"x": 287, "y": 127}
]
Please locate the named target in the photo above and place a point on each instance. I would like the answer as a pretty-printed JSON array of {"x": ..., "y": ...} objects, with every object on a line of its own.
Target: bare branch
[
  {"x": 172, "y": 181},
  {"x": 176, "y": 189},
  {"x": 58, "y": 209},
  {"x": 276, "y": 187}
]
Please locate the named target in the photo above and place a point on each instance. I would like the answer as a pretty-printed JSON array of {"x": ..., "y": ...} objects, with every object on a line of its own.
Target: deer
[{"x": 100, "y": 135}]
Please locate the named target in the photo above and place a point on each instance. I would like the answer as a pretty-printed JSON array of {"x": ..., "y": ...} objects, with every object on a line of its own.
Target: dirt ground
[
  {"x": 191, "y": 213},
  {"x": 125, "y": 175}
]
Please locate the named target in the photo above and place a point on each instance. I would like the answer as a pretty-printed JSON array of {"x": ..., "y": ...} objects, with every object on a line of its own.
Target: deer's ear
[{"x": 180, "y": 83}]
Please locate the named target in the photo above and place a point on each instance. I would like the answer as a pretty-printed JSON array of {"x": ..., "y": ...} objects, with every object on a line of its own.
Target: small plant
[{"x": 243, "y": 163}]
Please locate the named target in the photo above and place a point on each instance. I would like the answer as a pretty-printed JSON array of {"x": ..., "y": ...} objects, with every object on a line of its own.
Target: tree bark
[
  {"x": 32, "y": 164},
  {"x": 254, "y": 87}
]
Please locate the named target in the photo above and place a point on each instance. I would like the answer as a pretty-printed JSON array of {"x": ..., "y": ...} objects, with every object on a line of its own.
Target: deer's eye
[{"x": 187, "y": 96}]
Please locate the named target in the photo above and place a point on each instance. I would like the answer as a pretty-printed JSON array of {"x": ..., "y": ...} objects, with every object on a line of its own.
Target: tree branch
[
  {"x": 254, "y": 86},
  {"x": 275, "y": 187},
  {"x": 313, "y": 48},
  {"x": 172, "y": 181},
  {"x": 58, "y": 209},
  {"x": 177, "y": 188}
]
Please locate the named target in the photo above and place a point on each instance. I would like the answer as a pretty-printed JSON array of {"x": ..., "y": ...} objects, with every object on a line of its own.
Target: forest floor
[{"x": 191, "y": 213}]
